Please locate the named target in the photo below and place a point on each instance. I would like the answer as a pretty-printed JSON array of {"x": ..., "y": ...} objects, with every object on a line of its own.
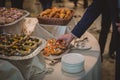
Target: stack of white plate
[{"x": 73, "y": 62}]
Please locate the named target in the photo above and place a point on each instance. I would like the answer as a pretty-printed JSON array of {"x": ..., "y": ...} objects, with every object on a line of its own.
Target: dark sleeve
[{"x": 89, "y": 16}]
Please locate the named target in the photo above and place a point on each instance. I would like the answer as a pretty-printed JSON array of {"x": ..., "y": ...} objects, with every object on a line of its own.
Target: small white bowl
[{"x": 73, "y": 62}]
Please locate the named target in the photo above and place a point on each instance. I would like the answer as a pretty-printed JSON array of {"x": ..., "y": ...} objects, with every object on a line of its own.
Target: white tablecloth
[
  {"x": 92, "y": 66},
  {"x": 92, "y": 61}
]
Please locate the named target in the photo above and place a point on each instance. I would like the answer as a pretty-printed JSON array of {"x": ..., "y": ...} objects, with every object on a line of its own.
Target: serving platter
[
  {"x": 54, "y": 49},
  {"x": 25, "y": 14},
  {"x": 55, "y": 57},
  {"x": 55, "y": 16},
  {"x": 31, "y": 55}
]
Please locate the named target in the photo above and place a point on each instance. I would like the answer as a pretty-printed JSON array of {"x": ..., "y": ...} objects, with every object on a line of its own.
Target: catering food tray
[
  {"x": 33, "y": 51},
  {"x": 7, "y": 19},
  {"x": 54, "y": 49},
  {"x": 56, "y": 57},
  {"x": 55, "y": 16}
]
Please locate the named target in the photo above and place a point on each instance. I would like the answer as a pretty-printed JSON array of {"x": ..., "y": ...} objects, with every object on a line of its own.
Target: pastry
[
  {"x": 45, "y": 12},
  {"x": 55, "y": 12},
  {"x": 62, "y": 15}
]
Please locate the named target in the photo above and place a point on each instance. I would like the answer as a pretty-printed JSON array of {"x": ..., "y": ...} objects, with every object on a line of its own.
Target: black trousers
[
  {"x": 105, "y": 28},
  {"x": 15, "y": 3},
  {"x": 117, "y": 69},
  {"x": 117, "y": 65},
  {"x": 2, "y": 3}
]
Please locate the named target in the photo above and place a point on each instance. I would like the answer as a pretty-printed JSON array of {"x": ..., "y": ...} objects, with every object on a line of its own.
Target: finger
[{"x": 60, "y": 38}]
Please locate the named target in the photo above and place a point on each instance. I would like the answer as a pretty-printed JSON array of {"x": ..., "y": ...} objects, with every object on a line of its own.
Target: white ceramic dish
[
  {"x": 73, "y": 62},
  {"x": 73, "y": 70}
]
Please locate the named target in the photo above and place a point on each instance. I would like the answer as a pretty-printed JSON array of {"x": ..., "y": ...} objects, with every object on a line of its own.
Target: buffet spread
[
  {"x": 23, "y": 49},
  {"x": 22, "y": 45},
  {"x": 17, "y": 46}
]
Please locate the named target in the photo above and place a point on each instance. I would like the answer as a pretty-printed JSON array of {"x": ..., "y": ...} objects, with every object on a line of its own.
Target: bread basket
[{"x": 55, "y": 21}]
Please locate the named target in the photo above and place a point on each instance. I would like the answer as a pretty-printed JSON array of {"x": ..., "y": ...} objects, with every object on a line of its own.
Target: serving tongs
[
  {"x": 80, "y": 42},
  {"x": 52, "y": 61}
]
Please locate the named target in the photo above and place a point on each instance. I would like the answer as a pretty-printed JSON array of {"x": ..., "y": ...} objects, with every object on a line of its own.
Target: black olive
[{"x": 36, "y": 40}]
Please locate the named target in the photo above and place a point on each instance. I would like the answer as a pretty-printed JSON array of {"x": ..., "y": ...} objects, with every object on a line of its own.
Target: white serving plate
[
  {"x": 73, "y": 62},
  {"x": 73, "y": 69}
]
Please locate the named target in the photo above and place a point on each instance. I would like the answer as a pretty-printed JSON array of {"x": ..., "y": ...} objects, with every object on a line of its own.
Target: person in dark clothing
[
  {"x": 46, "y": 4},
  {"x": 92, "y": 12},
  {"x": 117, "y": 47},
  {"x": 15, "y": 3},
  {"x": 2, "y": 3},
  {"x": 111, "y": 52},
  {"x": 105, "y": 28}
]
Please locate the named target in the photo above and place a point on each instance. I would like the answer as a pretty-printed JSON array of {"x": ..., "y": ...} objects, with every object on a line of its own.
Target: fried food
[
  {"x": 55, "y": 12},
  {"x": 52, "y": 14},
  {"x": 45, "y": 12},
  {"x": 62, "y": 15}
]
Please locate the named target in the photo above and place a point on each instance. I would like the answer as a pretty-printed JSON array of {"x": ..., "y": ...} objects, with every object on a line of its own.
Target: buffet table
[{"x": 92, "y": 66}]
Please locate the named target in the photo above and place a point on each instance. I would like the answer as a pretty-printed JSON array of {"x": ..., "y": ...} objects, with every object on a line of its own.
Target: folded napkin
[{"x": 28, "y": 25}]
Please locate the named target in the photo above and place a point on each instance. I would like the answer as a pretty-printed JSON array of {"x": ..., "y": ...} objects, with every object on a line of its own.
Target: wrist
[{"x": 73, "y": 36}]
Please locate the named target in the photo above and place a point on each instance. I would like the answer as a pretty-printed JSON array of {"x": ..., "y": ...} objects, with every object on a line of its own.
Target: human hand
[
  {"x": 67, "y": 38},
  {"x": 118, "y": 25}
]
